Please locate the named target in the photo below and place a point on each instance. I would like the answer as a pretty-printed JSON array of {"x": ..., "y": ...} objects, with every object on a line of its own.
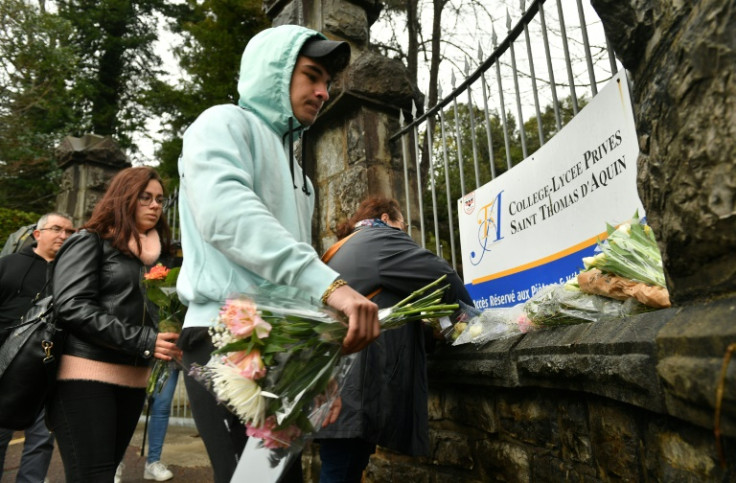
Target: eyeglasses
[
  {"x": 57, "y": 229},
  {"x": 146, "y": 199}
]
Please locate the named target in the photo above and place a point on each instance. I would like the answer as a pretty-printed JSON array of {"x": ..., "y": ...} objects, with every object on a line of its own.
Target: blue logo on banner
[{"x": 489, "y": 229}]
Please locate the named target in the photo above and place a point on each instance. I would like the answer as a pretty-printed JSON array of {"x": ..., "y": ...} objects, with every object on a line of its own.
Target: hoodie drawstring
[
  {"x": 305, "y": 187},
  {"x": 291, "y": 152}
]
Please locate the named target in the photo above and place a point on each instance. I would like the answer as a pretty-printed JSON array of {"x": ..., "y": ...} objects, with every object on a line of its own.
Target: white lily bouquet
[{"x": 278, "y": 364}]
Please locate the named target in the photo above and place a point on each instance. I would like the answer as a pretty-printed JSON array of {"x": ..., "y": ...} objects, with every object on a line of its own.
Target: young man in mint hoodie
[{"x": 246, "y": 209}]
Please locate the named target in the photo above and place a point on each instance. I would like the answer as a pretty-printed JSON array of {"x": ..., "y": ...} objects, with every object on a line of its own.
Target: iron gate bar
[
  {"x": 405, "y": 149},
  {"x": 586, "y": 44},
  {"x": 504, "y": 123},
  {"x": 519, "y": 113},
  {"x": 495, "y": 56},
  {"x": 550, "y": 70},
  {"x": 571, "y": 79},
  {"x": 534, "y": 81},
  {"x": 471, "y": 115},
  {"x": 419, "y": 177},
  {"x": 458, "y": 141},
  {"x": 447, "y": 186}
]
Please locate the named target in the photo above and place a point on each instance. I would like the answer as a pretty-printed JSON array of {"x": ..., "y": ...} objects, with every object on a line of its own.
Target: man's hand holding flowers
[
  {"x": 277, "y": 363},
  {"x": 363, "y": 326}
]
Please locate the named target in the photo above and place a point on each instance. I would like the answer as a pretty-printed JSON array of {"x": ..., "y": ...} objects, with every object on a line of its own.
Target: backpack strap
[
  {"x": 331, "y": 253},
  {"x": 334, "y": 248}
]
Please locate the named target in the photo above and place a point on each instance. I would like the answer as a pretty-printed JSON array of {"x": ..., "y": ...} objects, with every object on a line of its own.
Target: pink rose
[
  {"x": 241, "y": 318},
  {"x": 274, "y": 438},
  {"x": 250, "y": 365}
]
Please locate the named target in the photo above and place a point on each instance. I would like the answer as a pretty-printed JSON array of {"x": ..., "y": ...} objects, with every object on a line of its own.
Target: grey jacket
[{"x": 384, "y": 399}]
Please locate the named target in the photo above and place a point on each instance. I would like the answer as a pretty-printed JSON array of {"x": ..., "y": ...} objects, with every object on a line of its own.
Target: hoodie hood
[{"x": 265, "y": 74}]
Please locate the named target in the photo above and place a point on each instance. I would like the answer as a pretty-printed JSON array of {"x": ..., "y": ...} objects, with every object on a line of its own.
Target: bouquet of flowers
[
  {"x": 629, "y": 265},
  {"x": 481, "y": 326},
  {"x": 562, "y": 304},
  {"x": 160, "y": 283},
  {"x": 278, "y": 365},
  {"x": 631, "y": 252},
  {"x": 553, "y": 306}
]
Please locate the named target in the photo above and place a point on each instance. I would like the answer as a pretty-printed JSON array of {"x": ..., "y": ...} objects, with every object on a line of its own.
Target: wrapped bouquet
[
  {"x": 278, "y": 365},
  {"x": 628, "y": 266},
  {"x": 631, "y": 252},
  {"x": 160, "y": 283}
]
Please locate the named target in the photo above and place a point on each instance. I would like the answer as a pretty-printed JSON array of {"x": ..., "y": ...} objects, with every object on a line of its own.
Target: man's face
[
  {"x": 51, "y": 236},
  {"x": 309, "y": 85}
]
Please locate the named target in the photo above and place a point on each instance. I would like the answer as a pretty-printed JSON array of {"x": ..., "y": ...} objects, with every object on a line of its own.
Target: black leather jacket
[{"x": 100, "y": 301}]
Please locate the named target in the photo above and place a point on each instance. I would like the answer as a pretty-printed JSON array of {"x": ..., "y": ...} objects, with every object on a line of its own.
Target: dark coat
[
  {"x": 100, "y": 300},
  {"x": 22, "y": 276},
  {"x": 384, "y": 399}
]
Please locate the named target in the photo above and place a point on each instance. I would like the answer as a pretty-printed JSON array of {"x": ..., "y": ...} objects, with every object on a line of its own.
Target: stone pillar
[
  {"x": 88, "y": 164},
  {"x": 347, "y": 150},
  {"x": 682, "y": 57}
]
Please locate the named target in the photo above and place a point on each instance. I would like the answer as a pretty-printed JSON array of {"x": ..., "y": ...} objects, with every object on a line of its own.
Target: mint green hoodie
[{"x": 243, "y": 221}]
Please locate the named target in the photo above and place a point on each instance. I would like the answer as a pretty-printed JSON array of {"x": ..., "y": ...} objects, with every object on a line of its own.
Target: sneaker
[
  {"x": 119, "y": 473},
  {"x": 157, "y": 471}
]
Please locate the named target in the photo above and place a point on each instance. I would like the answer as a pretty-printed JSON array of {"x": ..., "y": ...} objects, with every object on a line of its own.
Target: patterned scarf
[{"x": 370, "y": 222}]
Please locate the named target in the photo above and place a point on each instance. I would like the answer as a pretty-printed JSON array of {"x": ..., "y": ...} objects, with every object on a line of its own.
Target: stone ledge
[{"x": 666, "y": 361}]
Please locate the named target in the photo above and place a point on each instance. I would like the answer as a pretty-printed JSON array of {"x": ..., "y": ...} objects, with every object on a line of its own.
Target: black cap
[{"x": 333, "y": 54}]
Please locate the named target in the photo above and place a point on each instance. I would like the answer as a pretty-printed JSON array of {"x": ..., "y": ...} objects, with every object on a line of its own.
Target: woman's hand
[
  {"x": 334, "y": 412},
  {"x": 166, "y": 348}
]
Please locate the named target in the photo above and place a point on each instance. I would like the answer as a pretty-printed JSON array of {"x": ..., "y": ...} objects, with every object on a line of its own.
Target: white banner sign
[{"x": 531, "y": 226}]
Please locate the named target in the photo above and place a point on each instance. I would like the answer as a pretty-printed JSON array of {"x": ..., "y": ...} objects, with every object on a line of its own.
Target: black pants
[
  {"x": 221, "y": 431},
  {"x": 93, "y": 422}
]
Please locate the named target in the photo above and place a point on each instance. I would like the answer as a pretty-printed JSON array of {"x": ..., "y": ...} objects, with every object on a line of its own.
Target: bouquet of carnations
[
  {"x": 160, "y": 283},
  {"x": 278, "y": 365}
]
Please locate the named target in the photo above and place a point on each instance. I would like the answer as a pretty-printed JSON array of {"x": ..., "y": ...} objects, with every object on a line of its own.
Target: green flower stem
[{"x": 419, "y": 292}]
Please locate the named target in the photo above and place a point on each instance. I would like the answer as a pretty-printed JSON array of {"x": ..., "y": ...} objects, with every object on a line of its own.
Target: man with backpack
[
  {"x": 18, "y": 240},
  {"x": 22, "y": 276}
]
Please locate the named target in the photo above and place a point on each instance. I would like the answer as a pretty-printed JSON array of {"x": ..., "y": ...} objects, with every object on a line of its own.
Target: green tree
[
  {"x": 37, "y": 67},
  {"x": 115, "y": 40},
  {"x": 214, "y": 34}
]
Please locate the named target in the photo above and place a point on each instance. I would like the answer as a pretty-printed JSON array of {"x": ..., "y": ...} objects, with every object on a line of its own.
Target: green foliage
[
  {"x": 115, "y": 40},
  {"x": 11, "y": 220},
  {"x": 38, "y": 64},
  {"x": 215, "y": 33}
]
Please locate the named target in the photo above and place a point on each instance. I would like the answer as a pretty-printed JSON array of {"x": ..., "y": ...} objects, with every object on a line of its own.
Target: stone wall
[
  {"x": 681, "y": 56},
  {"x": 617, "y": 400}
]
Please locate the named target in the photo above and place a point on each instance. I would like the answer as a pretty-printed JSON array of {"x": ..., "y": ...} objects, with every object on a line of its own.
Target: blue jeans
[
  {"x": 343, "y": 460},
  {"x": 158, "y": 422},
  {"x": 37, "y": 451}
]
